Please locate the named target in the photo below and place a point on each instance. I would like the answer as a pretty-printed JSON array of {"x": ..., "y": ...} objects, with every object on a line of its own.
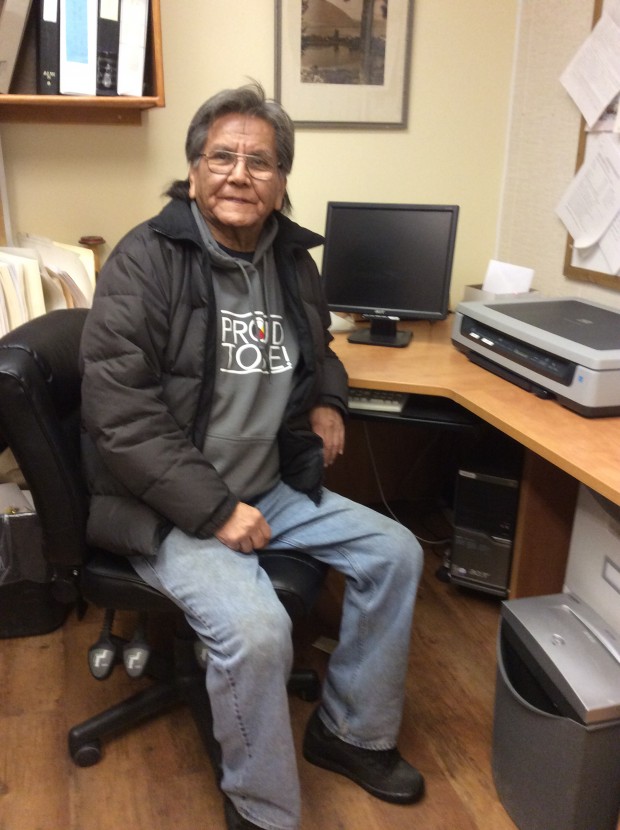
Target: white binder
[
  {"x": 132, "y": 46},
  {"x": 78, "y": 47}
]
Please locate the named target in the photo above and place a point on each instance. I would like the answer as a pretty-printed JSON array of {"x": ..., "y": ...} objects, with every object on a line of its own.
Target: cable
[
  {"x": 384, "y": 501},
  {"x": 375, "y": 471}
]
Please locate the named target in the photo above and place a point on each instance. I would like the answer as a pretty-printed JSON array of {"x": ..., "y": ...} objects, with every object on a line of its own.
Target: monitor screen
[{"x": 389, "y": 262}]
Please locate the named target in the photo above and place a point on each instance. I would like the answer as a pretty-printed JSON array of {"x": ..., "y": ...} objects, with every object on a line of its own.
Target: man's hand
[
  {"x": 245, "y": 530},
  {"x": 328, "y": 424}
]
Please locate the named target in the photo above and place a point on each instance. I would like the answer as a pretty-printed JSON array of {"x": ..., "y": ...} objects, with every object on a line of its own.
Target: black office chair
[{"x": 39, "y": 421}]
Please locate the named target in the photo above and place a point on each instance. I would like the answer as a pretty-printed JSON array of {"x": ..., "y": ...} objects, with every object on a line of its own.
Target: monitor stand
[{"x": 383, "y": 331}]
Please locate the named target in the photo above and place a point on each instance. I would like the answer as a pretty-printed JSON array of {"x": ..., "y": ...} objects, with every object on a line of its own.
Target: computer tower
[{"x": 485, "y": 515}]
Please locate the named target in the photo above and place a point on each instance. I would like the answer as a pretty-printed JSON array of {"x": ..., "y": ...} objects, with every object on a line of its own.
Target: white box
[{"x": 476, "y": 292}]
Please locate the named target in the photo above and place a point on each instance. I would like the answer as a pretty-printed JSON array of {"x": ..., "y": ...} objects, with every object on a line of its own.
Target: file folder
[
  {"x": 12, "y": 286},
  {"x": 31, "y": 276}
]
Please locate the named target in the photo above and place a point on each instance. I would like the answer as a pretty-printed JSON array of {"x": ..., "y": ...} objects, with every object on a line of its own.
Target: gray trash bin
[
  {"x": 556, "y": 733},
  {"x": 27, "y": 604}
]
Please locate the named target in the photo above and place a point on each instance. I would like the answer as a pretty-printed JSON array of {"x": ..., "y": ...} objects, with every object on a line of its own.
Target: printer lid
[
  {"x": 584, "y": 323},
  {"x": 563, "y": 643},
  {"x": 584, "y": 332}
]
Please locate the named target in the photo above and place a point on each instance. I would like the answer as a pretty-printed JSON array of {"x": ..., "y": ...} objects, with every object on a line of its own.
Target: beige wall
[
  {"x": 66, "y": 181},
  {"x": 543, "y": 146}
]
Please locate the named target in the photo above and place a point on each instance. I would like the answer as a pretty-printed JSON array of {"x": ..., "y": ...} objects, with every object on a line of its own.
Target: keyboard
[{"x": 374, "y": 400}]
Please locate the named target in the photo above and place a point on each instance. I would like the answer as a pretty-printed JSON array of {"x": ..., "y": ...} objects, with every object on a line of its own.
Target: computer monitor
[{"x": 389, "y": 262}]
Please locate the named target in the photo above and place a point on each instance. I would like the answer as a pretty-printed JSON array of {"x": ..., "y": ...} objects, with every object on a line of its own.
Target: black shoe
[
  {"x": 381, "y": 772},
  {"x": 234, "y": 821}
]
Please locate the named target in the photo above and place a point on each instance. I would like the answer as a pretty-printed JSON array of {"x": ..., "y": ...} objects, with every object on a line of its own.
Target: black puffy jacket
[{"x": 148, "y": 371}]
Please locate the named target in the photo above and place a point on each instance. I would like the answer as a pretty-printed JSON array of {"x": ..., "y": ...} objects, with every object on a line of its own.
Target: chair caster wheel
[
  {"x": 86, "y": 755},
  {"x": 307, "y": 697},
  {"x": 310, "y": 693},
  {"x": 305, "y": 684}
]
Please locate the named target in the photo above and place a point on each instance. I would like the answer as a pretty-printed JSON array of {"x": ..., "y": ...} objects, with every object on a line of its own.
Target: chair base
[{"x": 180, "y": 682}]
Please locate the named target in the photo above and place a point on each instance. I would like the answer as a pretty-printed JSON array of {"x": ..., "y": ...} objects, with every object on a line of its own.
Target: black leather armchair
[{"x": 39, "y": 420}]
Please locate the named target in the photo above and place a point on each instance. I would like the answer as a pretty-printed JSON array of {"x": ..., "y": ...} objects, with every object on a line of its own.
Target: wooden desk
[{"x": 562, "y": 448}]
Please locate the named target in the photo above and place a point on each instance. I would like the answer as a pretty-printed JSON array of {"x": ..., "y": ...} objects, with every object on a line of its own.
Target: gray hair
[{"x": 245, "y": 100}]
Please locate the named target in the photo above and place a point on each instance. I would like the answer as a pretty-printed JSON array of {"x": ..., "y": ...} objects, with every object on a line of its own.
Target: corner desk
[{"x": 562, "y": 449}]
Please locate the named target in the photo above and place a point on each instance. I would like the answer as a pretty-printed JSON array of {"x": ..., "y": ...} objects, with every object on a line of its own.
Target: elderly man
[{"x": 211, "y": 404}]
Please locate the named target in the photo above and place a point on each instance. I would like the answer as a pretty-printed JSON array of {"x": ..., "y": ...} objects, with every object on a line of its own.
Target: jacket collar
[{"x": 176, "y": 222}]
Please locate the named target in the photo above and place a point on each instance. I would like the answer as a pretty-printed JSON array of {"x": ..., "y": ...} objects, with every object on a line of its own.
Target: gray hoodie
[{"x": 257, "y": 353}]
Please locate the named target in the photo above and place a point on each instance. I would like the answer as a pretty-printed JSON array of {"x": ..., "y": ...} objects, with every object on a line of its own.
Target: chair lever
[
  {"x": 201, "y": 651},
  {"x": 64, "y": 585},
  {"x": 136, "y": 652},
  {"x": 103, "y": 655}
]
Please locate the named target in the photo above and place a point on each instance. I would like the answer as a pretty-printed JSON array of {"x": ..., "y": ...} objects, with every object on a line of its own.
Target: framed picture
[{"x": 344, "y": 63}]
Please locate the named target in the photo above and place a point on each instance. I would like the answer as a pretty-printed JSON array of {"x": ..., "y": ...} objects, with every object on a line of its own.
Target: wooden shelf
[
  {"x": 62, "y": 109},
  {"x": 24, "y": 105}
]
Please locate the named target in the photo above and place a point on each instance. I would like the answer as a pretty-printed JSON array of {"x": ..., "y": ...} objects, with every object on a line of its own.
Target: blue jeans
[{"x": 231, "y": 604}]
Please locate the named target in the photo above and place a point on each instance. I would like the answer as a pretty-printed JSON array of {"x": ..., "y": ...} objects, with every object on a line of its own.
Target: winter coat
[{"x": 148, "y": 365}]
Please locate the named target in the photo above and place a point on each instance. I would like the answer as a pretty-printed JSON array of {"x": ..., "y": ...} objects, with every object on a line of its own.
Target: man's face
[{"x": 235, "y": 205}]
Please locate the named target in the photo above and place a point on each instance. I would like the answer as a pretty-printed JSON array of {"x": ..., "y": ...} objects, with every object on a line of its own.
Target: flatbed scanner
[{"x": 564, "y": 348}]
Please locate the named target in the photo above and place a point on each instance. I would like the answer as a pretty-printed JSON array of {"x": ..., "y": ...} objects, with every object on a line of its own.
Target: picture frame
[{"x": 344, "y": 63}]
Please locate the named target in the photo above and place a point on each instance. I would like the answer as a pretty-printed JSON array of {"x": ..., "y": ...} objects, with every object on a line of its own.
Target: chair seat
[{"x": 110, "y": 581}]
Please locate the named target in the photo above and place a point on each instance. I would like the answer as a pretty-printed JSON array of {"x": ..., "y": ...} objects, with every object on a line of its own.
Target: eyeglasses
[{"x": 223, "y": 162}]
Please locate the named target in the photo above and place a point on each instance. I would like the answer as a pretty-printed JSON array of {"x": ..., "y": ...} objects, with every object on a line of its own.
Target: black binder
[
  {"x": 108, "y": 29},
  {"x": 48, "y": 47}
]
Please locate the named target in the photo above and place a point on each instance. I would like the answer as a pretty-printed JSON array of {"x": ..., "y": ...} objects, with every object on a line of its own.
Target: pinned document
[
  {"x": 592, "y": 78},
  {"x": 592, "y": 200}
]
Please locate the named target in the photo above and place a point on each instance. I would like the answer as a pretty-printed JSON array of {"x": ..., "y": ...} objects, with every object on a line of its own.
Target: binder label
[
  {"x": 50, "y": 11},
  {"x": 77, "y": 31}
]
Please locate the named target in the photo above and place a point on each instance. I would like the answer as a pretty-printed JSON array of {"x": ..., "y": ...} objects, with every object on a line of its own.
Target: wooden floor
[{"x": 157, "y": 775}]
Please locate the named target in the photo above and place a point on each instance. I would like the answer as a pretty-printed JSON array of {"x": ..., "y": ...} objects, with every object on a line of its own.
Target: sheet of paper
[
  {"x": 4, "y": 314},
  {"x": 610, "y": 246},
  {"x": 13, "y": 288},
  {"x": 604, "y": 257},
  {"x": 53, "y": 294},
  {"x": 592, "y": 200},
  {"x": 32, "y": 279},
  {"x": 592, "y": 78},
  {"x": 13, "y": 500},
  {"x": 504, "y": 278},
  {"x": 86, "y": 256},
  {"x": 612, "y": 7},
  {"x": 62, "y": 262},
  {"x": 608, "y": 122}
]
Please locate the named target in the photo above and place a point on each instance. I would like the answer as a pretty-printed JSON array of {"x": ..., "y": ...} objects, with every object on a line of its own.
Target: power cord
[{"x": 371, "y": 455}]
